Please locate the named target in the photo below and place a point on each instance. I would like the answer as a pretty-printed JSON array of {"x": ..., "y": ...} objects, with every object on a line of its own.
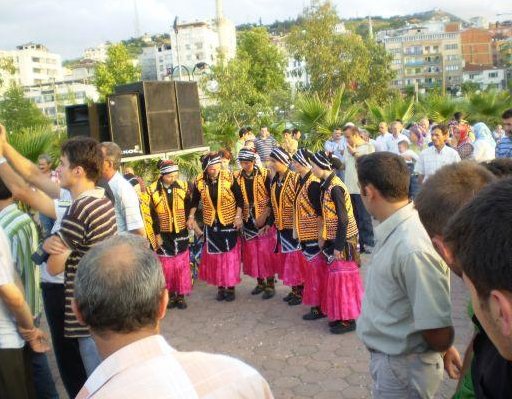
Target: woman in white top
[{"x": 484, "y": 145}]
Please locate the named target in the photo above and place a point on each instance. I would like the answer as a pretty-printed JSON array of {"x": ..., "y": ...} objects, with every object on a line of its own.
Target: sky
[{"x": 67, "y": 27}]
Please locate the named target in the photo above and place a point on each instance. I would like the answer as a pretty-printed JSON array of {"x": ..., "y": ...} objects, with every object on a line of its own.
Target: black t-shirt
[{"x": 490, "y": 372}]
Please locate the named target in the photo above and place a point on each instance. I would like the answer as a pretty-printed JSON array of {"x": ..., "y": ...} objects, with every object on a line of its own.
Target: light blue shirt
[{"x": 128, "y": 216}]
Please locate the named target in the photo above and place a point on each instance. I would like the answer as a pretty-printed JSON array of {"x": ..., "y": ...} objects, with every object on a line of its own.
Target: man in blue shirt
[{"x": 504, "y": 147}]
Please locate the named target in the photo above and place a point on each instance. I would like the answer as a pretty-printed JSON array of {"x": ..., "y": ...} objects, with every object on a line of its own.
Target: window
[
  {"x": 199, "y": 46},
  {"x": 452, "y": 46},
  {"x": 36, "y": 59},
  {"x": 493, "y": 74}
]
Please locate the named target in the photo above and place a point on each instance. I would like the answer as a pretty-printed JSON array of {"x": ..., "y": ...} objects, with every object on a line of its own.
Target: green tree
[
  {"x": 335, "y": 59},
  {"x": 6, "y": 66},
  {"x": 249, "y": 89},
  {"x": 18, "y": 113},
  {"x": 117, "y": 69},
  {"x": 398, "y": 108}
]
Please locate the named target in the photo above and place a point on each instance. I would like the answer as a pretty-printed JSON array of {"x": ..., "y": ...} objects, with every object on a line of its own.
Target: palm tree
[
  {"x": 439, "y": 108},
  {"x": 397, "y": 109},
  {"x": 487, "y": 106},
  {"x": 318, "y": 119},
  {"x": 32, "y": 142}
]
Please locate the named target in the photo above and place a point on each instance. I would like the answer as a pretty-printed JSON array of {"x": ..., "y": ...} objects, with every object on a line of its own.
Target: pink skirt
[
  {"x": 315, "y": 279},
  {"x": 343, "y": 292},
  {"x": 220, "y": 270},
  {"x": 178, "y": 277},
  {"x": 258, "y": 255},
  {"x": 291, "y": 268}
]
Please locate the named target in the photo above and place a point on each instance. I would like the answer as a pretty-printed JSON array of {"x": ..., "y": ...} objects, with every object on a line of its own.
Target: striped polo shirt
[
  {"x": 264, "y": 147},
  {"x": 23, "y": 238},
  {"x": 89, "y": 220},
  {"x": 504, "y": 148}
]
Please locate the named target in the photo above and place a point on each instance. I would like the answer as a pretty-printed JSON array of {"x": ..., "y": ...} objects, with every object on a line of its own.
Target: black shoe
[
  {"x": 221, "y": 294},
  {"x": 296, "y": 300},
  {"x": 343, "y": 328},
  {"x": 334, "y": 323},
  {"x": 181, "y": 304},
  {"x": 172, "y": 302},
  {"x": 230, "y": 295},
  {"x": 289, "y": 297},
  {"x": 258, "y": 289},
  {"x": 314, "y": 314},
  {"x": 269, "y": 293}
]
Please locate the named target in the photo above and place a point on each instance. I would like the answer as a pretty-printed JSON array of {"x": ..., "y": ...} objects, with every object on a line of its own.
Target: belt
[{"x": 52, "y": 286}]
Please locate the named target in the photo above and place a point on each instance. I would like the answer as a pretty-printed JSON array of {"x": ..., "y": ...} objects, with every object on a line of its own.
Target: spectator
[
  {"x": 264, "y": 144},
  {"x": 289, "y": 143},
  {"x": 460, "y": 140},
  {"x": 296, "y": 135},
  {"x": 434, "y": 158},
  {"x": 22, "y": 234},
  {"x": 498, "y": 133},
  {"x": 242, "y": 133},
  {"x": 406, "y": 317},
  {"x": 250, "y": 135},
  {"x": 225, "y": 158},
  {"x": 355, "y": 148},
  {"x": 484, "y": 145},
  {"x": 365, "y": 135},
  {"x": 500, "y": 167},
  {"x": 424, "y": 129},
  {"x": 44, "y": 162},
  {"x": 384, "y": 135},
  {"x": 124, "y": 314},
  {"x": 128, "y": 216},
  {"x": 417, "y": 141},
  {"x": 396, "y": 137},
  {"x": 16, "y": 327},
  {"x": 486, "y": 223},
  {"x": 249, "y": 145},
  {"x": 410, "y": 157},
  {"x": 336, "y": 147},
  {"x": 440, "y": 198},
  {"x": 504, "y": 147}
]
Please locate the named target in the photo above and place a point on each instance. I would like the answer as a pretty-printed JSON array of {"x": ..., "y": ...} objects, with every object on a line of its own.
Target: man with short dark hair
[
  {"x": 124, "y": 312},
  {"x": 264, "y": 144},
  {"x": 438, "y": 155},
  {"x": 486, "y": 223},
  {"x": 406, "y": 316},
  {"x": 126, "y": 204},
  {"x": 504, "y": 147},
  {"x": 296, "y": 134}
]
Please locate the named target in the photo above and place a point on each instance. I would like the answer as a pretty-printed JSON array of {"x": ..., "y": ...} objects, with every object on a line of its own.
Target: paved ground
[{"x": 299, "y": 359}]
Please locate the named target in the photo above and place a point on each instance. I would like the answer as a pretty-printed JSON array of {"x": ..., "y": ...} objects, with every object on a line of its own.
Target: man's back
[
  {"x": 153, "y": 369},
  {"x": 128, "y": 216}
]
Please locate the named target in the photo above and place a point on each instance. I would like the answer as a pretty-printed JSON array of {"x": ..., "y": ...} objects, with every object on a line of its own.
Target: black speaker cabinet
[
  {"x": 126, "y": 123},
  {"x": 159, "y": 114},
  {"x": 189, "y": 115},
  {"x": 88, "y": 120}
]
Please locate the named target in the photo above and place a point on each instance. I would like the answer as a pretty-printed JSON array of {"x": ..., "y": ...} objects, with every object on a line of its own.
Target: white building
[
  {"x": 33, "y": 65},
  {"x": 156, "y": 62},
  {"x": 98, "y": 54},
  {"x": 198, "y": 42},
  {"x": 485, "y": 76},
  {"x": 83, "y": 70},
  {"x": 296, "y": 74},
  {"x": 51, "y": 98}
]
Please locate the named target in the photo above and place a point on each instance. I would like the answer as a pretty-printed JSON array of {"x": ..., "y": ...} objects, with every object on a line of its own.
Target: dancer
[
  {"x": 343, "y": 292},
  {"x": 308, "y": 224},
  {"x": 258, "y": 234},
  {"x": 169, "y": 201},
  {"x": 290, "y": 261},
  {"x": 222, "y": 203}
]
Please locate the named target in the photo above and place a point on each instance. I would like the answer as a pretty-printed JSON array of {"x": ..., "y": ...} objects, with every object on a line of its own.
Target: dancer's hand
[
  {"x": 338, "y": 255},
  {"x": 452, "y": 363}
]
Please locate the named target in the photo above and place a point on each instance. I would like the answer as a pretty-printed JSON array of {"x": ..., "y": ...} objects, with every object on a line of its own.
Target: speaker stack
[{"x": 149, "y": 117}]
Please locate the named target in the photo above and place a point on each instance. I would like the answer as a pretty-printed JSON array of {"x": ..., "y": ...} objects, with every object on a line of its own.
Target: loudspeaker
[
  {"x": 126, "y": 123},
  {"x": 88, "y": 121},
  {"x": 189, "y": 114},
  {"x": 159, "y": 114}
]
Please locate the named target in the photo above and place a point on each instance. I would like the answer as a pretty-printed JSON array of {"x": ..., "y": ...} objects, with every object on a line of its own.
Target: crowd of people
[{"x": 113, "y": 253}]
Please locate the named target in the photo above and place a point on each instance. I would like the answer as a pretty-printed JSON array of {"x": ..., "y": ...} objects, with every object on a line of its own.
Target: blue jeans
[
  {"x": 363, "y": 220},
  {"x": 90, "y": 355},
  {"x": 43, "y": 380}
]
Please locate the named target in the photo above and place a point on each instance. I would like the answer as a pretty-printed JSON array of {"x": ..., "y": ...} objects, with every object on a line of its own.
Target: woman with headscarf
[
  {"x": 460, "y": 140},
  {"x": 282, "y": 194},
  {"x": 307, "y": 226},
  {"x": 417, "y": 139},
  {"x": 484, "y": 145},
  {"x": 222, "y": 202},
  {"x": 258, "y": 234},
  {"x": 343, "y": 290},
  {"x": 169, "y": 201}
]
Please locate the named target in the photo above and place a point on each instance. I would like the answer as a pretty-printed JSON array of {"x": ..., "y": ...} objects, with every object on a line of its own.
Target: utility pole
[{"x": 176, "y": 30}]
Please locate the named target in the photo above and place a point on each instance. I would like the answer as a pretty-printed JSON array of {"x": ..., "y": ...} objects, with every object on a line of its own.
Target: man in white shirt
[
  {"x": 336, "y": 146},
  {"x": 435, "y": 157},
  {"x": 381, "y": 142},
  {"x": 124, "y": 314},
  {"x": 127, "y": 205},
  {"x": 15, "y": 319},
  {"x": 396, "y": 137}
]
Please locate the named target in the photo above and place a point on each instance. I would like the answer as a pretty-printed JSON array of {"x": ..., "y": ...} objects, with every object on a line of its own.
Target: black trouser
[
  {"x": 363, "y": 220},
  {"x": 16, "y": 374},
  {"x": 66, "y": 350}
]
